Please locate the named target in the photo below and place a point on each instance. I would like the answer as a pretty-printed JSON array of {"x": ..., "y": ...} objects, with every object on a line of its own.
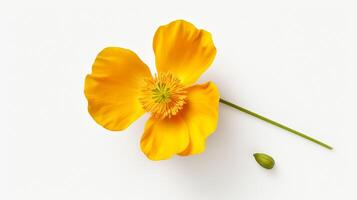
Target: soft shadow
[{"x": 219, "y": 170}]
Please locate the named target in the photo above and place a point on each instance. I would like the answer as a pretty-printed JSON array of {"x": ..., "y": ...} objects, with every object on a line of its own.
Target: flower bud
[{"x": 264, "y": 160}]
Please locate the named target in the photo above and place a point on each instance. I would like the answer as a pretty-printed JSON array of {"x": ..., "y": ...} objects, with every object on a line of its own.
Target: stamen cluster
[{"x": 163, "y": 96}]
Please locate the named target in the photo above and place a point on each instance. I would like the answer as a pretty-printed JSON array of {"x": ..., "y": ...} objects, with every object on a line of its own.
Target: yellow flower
[{"x": 121, "y": 88}]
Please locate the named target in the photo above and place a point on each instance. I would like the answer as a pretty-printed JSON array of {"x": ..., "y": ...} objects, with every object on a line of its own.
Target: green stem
[{"x": 274, "y": 123}]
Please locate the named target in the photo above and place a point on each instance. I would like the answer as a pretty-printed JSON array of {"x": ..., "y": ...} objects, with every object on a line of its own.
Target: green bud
[{"x": 264, "y": 160}]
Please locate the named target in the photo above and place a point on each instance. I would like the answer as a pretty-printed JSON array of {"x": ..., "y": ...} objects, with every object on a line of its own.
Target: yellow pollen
[{"x": 163, "y": 96}]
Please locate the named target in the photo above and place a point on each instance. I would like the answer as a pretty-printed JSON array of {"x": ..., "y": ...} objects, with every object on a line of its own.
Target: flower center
[{"x": 163, "y": 96}]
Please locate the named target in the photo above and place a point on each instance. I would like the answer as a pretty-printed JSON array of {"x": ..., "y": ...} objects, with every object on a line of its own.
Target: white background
[{"x": 293, "y": 61}]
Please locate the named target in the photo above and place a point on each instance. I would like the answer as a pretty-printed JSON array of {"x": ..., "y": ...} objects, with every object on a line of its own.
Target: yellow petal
[
  {"x": 184, "y": 50},
  {"x": 164, "y": 138},
  {"x": 113, "y": 87},
  {"x": 200, "y": 115}
]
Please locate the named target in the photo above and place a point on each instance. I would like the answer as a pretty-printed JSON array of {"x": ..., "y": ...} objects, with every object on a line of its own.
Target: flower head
[{"x": 121, "y": 88}]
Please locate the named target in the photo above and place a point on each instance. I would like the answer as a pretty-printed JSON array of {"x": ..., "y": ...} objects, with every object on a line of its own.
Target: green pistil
[{"x": 161, "y": 93}]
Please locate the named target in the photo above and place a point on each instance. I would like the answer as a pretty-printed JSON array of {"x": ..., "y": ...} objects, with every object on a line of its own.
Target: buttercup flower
[{"x": 121, "y": 88}]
